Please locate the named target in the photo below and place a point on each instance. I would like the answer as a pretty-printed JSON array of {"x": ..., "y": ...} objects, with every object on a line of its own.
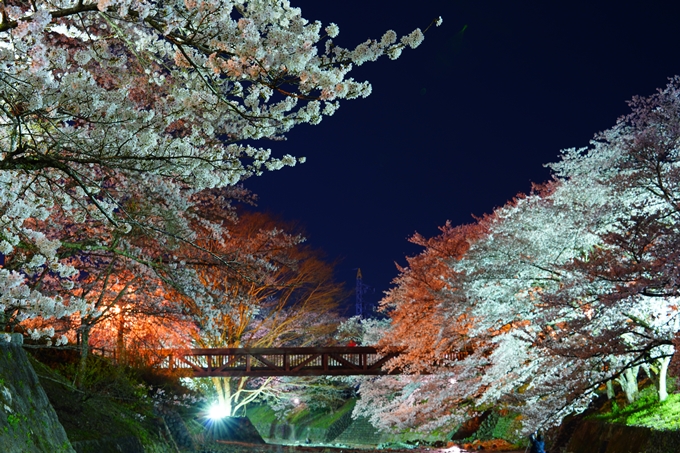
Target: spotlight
[{"x": 217, "y": 411}]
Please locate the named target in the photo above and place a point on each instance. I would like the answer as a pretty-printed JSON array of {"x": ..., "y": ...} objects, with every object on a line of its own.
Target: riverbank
[{"x": 113, "y": 413}]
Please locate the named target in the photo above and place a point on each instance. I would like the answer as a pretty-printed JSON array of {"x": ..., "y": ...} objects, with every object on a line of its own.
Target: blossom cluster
[
  {"x": 533, "y": 307},
  {"x": 116, "y": 113}
]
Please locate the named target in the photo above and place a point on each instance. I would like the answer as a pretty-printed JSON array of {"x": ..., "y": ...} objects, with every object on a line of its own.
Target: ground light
[
  {"x": 218, "y": 411},
  {"x": 217, "y": 422},
  {"x": 220, "y": 425}
]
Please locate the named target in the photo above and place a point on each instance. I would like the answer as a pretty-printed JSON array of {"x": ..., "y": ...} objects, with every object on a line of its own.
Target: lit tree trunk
[
  {"x": 664, "y": 362},
  {"x": 658, "y": 375},
  {"x": 232, "y": 395},
  {"x": 243, "y": 397},
  {"x": 663, "y": 373},
  {"x": 224, "y": 397},
  {"x": 610, "y": 390},
  {"x": 628, "y": 381}
]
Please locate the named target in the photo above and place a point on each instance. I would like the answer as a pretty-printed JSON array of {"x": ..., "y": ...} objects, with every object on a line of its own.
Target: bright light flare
[
  {"x": 453, "y": 449},
  {"x": 218, "y": 411}
]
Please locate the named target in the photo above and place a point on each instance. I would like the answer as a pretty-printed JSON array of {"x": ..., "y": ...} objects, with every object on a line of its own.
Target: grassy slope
[
  {"x": 263, "y": 416},
  {"x": 88, "y": 416},
  {"x": 647, "y": 411}
]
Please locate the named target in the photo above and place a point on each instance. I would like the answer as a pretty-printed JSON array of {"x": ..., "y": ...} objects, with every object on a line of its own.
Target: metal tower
[
  {"x": 360, "y": 291},
  {"x": 360, "y": 294}
]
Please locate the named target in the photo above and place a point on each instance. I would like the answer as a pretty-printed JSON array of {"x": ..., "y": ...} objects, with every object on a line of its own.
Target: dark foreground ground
[{"x": 241, "y": 447}]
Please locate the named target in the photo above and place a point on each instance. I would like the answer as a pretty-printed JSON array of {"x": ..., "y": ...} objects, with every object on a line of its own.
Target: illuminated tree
[
  {"x": 110, "y": 102},
  {"x": 282, "y": 294},
  {"x": 110, "y": 290},
  {"x": 559, "y": 292},
  {"x": 414, "y": 304},
  {"x": 630, "y": 281},
  {"x": 483, "y": 316}
]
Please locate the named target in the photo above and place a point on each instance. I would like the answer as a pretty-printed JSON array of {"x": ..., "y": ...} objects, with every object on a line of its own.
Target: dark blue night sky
[{"x": 463, "y": 123}]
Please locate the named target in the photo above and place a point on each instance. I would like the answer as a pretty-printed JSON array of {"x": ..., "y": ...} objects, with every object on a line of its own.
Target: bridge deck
[{"x": 329, "y": 361}]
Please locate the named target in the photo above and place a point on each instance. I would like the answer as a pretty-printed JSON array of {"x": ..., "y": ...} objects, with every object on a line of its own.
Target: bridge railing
[
  {"x": 336, "y": 361},
  {"x": 288, "y": 361}
]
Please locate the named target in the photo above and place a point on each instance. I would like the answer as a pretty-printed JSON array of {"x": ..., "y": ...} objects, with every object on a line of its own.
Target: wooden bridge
[{"x": 330, "y": 361}]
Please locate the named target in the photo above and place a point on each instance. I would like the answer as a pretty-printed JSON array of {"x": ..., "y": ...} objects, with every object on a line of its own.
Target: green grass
[
  {"x": 646, "y": 411},
  {"x": 261, "y": 415},
  {"x": 325, "y": 421},
  {"x": 299, "y": 416}
]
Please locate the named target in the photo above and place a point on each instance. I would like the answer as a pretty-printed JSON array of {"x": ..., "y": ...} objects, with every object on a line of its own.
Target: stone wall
[
  {"x": 176, "y": 427},
  {"x": 360, "y": 432},
  {"x": 28, "y": 423},
  {"x": 128, "y": 444}
]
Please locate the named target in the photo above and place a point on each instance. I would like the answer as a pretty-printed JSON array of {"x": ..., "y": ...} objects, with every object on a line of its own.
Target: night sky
[{"x": 463, "y": 123}]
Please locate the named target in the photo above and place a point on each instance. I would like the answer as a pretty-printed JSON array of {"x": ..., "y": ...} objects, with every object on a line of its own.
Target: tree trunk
[
  {"x": 121, "y": 353},
  {"x": 663, "y": 373},
  {"x": 610, "y": 390},
  {"x": 84, "y": 351},
  {"x": 628, "y": 381},
  {"x": 223, "y": 388},
  {"x": 240, "y": 402}
]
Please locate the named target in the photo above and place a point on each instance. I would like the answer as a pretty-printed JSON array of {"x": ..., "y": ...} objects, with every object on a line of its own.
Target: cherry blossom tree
[
  {"x": 481, "y": 340},
  {"x": 110, "y": 103},
  {"x": 629, "y": 282},
  {"x": 281, "y": 294},
  {"x": 557, "y": 294}
]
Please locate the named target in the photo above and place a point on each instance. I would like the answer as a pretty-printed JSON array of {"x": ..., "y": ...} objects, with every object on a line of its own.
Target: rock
[{"x": 28, "y": 423}]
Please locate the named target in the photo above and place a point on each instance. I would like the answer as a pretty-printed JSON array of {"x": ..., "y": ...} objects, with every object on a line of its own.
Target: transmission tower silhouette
[{"x": 361, "y": 289}]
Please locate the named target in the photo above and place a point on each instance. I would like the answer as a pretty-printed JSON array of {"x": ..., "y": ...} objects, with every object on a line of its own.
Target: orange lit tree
[
  {"x": 278, "y": 292},
  {"x": 564, "y": 291}
]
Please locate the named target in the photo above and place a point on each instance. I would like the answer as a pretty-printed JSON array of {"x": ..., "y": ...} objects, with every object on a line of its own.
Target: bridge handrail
[{"x": 285, "y": 350}]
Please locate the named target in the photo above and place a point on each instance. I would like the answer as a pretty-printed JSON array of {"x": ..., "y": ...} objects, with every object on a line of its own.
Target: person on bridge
[{"x": 537, "y": 443}]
